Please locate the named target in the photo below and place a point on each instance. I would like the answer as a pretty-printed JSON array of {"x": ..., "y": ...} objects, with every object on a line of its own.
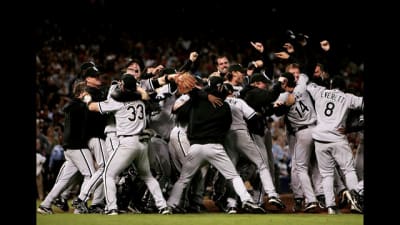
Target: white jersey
[
  {"x": 130, "y": 117},
  {"x": 332, "y": 107},
  {"x": 301, "y": 113},
  {"x": 240, "y": 111},
  {"x": 146, "y": 85},
  {"x": 236, "y": 90}
]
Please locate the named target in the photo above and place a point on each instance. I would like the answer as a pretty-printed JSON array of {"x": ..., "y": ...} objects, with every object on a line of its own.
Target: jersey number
[
  {"x": 329, "y": 109},
  {"x": 138, "y": 111},
  {"x": 302, "y": 109}
]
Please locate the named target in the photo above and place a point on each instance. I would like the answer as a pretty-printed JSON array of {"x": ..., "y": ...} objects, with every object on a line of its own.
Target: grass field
[
  {"x": 211, "y": 218},
  {"x": 200, "y": 219}
]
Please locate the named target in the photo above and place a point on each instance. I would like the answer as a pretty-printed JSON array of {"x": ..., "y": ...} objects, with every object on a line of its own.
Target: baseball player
[
  {"x": 206, "y": 132},
  {"x": 95, "y": 130},
  {"x": 179, "y": 146},
  {"x": 331, "y": 145},
  {"x": 77, "y": 154},
  {"x": 260, "y": 98},
  {"x": 130, "y": 117},
  {"x": 302, "y": 118},
  {"x": 238, "y": 141}
]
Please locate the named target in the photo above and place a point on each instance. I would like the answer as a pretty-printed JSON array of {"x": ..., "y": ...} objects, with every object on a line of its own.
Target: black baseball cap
[
  {"x": 290, "y": 77},
  {"x": 215, "y": 81},
  {"x": 236, "y": 67},
  {"x": 92, "y": 72},
  {"x": 259, "y": 77},
  {"x": 129, "y": 82}
]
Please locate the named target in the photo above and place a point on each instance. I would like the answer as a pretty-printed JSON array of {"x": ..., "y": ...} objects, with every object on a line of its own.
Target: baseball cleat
[
  {"x": 44, "y": 210},
  {"x": 252, "y": 207}
]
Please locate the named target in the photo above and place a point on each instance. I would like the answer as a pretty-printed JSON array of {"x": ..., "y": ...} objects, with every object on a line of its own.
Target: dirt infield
[{"x": 286, "y": 198}]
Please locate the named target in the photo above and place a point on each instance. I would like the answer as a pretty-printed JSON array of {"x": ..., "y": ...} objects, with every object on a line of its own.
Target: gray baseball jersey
[
  {"x": 332, "y": 108},
  {"x": 130, "y": 117},
  {"x": 130, "y": 120},
  {"x": 239, "y": 141},
  {"x": 332, "y": 146},
  {"x": 302, "y": 118}
]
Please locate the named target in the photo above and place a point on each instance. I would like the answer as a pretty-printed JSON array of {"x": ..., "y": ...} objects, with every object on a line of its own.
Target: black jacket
[
  {"x": 206, "y": 123},
  {"x": 75, "y": 132}
]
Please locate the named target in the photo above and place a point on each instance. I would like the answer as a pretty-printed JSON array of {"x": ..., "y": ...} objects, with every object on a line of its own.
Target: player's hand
[
  {"x": 342, "y": 130},
  {"x": 289, "y": 47},
  {"x": 278, "y": 103},
  {"x": 215, "y": 101},
  {"x": 258, "y": 46},
  {"x": 193, "y": 56},
  {"x": 282, "y": 55},
  {"x": 325, "y": 45},
  {"x": 87, "y": 98},
  {"x": 143, "y": 93}
]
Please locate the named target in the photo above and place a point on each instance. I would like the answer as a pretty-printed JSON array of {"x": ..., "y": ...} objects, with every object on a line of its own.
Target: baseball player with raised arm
[
  {"x": 130, "y": 118},
  {"x": 331, "y": 145}
]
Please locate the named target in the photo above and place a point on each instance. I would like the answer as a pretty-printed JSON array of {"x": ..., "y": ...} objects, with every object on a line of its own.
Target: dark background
[{"x": 344, "y": 25}]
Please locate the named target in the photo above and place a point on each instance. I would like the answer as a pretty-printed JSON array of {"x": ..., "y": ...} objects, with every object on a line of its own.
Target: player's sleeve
[
  {"x": 180, "y": 101},
  {"x": 355, "y": 102},
  {"x": 248, "y": 112},
  {"x": 302, "y": 83},
  {"x": 109, "y": 105},
  {"x": 315, "y": 90},
  {"x": 110, "y": 90},
  {"x": 147, "y": 85},
  {"x": 283, "y": 97}
]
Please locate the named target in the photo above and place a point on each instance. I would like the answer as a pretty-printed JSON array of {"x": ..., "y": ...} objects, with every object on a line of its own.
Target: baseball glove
[{"x": 185, "y": 82}]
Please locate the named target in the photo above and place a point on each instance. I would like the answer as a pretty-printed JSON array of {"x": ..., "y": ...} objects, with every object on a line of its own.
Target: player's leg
[
  {"x": 98, "y": 148},
  {"x": 302, "y": 154},
  {"x": 195, "y": 159},
  {"x": 142, "y": 163},
  {"x": 326, "y": 165}
]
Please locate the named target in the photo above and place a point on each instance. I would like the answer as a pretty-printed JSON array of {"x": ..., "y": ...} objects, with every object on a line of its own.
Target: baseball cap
[
  {"x": 290, "y": 77},
  {"x": 215, "y": 81},
  {"x": 129, "y": 82},
  {"x": 87, "y": 65},
  {"x": 137, "y": 61},
  {"x": 258, "y": 77},
  {"x": 236, "y": 67},
  {"x": 91, "y": 72}
]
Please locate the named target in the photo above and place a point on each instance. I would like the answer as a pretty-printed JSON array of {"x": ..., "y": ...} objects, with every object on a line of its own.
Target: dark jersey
[
  {"x": 75, "y": 132},
  {"x": 207, "y": 124},
  {"x": 96, "y": 121}
]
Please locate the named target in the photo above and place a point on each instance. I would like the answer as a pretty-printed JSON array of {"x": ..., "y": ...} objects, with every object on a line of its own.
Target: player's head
[
  {"x": 216, "y": 87},
  {"x": 236, "y": 73},
  {"x": 222, "y": 64},
  {"x": 91, "y": 74},
  {"x": 289, "y": 80},
  {"x": 338, "y": 82},
  {"x": 134, "y": 67},
  {"x": 128, "y": 83},
  {"x": 229, "y": 88},
  {"x": 294, "y": 68},
  {"x": 78, "y": 89},
  {"x": 259, "y": 80}
]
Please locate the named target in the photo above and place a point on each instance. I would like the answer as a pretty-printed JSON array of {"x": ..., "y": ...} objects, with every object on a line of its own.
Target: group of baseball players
[{"x": 152, "y": 140}]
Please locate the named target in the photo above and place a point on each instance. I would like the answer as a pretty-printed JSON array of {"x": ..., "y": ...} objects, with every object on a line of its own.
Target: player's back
[{"x": 332, "y": 107}]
